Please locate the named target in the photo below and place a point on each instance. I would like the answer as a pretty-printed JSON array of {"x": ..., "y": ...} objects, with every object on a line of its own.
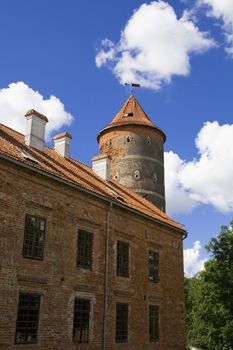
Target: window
[
  {"x": 153, "y": 266},
  {"x": 84, "y": 249},
  {"x": 34, "y": 235},
  {"x": 122, "y": 259},
  {"x": 121, "y": 323},
  {"x": 154, "y": 323},
  {"x": 27, "y": 320},
  {"x": 81, "y": 320}
]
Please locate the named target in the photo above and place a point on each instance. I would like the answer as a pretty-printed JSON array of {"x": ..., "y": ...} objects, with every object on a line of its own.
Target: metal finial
[{"x": 132, "y": 87}]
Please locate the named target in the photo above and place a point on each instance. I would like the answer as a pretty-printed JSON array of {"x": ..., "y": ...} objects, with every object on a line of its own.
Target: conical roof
[{"x": 131, "y": 113}]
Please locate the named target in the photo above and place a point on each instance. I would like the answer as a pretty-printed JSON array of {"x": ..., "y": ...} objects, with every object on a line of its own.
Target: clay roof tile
[
  {"x": 12, "y": 146},
  {"x": 131, "y": 113}
]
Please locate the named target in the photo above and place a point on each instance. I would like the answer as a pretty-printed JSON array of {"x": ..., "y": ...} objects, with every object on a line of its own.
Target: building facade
[{"x": 85, "y": 262}]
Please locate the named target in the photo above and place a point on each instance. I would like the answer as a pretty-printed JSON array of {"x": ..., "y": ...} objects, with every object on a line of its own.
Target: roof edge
[
  {"x": 70, "y": 184},
  {"x": 137, "y": 124}
]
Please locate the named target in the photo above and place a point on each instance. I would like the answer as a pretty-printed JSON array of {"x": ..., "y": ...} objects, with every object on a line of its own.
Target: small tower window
[
  {"x": 155, "y": 178},
  {"x": 129, "y": 139},
  {"x": 116, "y": 177},
  {"x": 128, "y": 114},
  {"x": 137, "y": 174},
  {"x": 148, "y": 140}
]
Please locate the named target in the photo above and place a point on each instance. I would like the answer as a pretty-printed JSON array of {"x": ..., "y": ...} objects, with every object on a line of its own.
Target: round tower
[{"x": 135, "y": 148}]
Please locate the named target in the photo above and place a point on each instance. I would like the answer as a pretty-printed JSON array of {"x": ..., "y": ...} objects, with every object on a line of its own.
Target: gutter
[
  {"x": 105, "y": 313},
  {"x": 99, "y": 196}
]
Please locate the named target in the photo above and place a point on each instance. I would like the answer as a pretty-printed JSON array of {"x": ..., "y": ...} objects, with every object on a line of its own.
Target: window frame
[
  {"x": 119, "y": 338},
  {"x": 83, "y": 265},
  {"x": 154, "y": 323},
  {"x": 122, "y": 257},
  {"x": 33, "y": 256},
  {"x": 153, "y": 266},
  {"x": 83, "y": 313},
  {"x": 19, "y": 314}
]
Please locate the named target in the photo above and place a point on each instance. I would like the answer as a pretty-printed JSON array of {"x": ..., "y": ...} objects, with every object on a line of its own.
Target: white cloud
[
  {"x": 178, "y": 200},
  {"x": 222, "y": 9},
  {"x": 154, "y": 46},
  {"x": 18, "y": 98},
  {"x": 192, "y": 260},
  {"x": 206, "y": 180}
]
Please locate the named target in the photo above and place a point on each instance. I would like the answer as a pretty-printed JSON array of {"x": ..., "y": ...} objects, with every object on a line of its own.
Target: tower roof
[{"x": 131, "y": 113}]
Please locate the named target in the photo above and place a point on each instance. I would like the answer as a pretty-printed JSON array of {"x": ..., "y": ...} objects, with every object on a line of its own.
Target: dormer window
[{"x": 128, "y": 114}]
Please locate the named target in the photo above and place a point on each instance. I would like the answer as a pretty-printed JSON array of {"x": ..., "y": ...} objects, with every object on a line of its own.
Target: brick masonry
[
  {"x": 136, "y": 148},
  {"x": 58, "y": 279}
]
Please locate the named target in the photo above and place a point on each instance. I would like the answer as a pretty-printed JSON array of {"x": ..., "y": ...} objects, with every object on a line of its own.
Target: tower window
[
  {"x": 155, "y": 178},
  {"x": 148, "y": 140},
  {"x": 122, "y": 259},
  {"x": 34, "y": 235},
  {"x": 84, "y": 249},
  {"x": 128, "y": 114},
  {"x": 116, "y": 177},
  {"x": 121, "y": 323},
  {"x": 137, "y": 174},
  {"x": 129, "y": 139},
  {"x": 27, "y": 319},
  {"x": 81, "y": 320},
  {"x": 153, "y": 323},
  {"x": 153, "y": 265}
]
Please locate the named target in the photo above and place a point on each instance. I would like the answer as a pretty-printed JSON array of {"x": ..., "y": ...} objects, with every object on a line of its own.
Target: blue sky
[{"x": 51, "y": 47}]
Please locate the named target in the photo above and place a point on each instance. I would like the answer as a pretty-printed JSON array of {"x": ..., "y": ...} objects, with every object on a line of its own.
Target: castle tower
[{"x": 135, "y": 148}]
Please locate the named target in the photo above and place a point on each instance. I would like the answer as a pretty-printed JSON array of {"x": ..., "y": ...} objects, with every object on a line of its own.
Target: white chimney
[
  {"x": 101, "y": 165},
  {"x": 62, "y": 144},
  {"x": 35, "y": 129}
]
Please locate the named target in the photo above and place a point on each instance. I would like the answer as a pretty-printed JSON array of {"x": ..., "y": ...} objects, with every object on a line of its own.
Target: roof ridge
[{"x": 8, "y": 127}]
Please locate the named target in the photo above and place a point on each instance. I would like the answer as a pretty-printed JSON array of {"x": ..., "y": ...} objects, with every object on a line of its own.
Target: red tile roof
[
  {"x": 12, "y": 146},
  {"x": 131, "y": 113}
]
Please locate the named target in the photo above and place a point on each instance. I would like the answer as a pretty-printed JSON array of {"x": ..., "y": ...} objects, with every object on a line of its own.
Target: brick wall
[{"x": 58, "y": 279}]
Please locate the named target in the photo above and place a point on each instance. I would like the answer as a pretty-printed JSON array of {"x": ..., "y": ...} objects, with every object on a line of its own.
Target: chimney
[
  {"x": 35, "y": 129},
  {"x": 101, "y": 165},
  {"x": 62, "y": 144}
]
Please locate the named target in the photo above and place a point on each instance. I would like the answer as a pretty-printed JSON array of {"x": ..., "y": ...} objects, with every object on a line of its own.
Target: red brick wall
[{"x": 59, "y": 280}]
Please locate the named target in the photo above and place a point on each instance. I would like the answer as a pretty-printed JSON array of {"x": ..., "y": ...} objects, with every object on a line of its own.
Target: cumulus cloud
[
  {"x": 178, "y": 199},
  {"x": 222, "y": 9},
  {"x": 207, "y": 179},
  {"x": 18, "y": 98},
  {"x": 154, "y": 46},
  {"x": 192, "y": 260}
]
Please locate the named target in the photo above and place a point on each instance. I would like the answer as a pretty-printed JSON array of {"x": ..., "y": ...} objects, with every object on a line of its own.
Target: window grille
[
  {"x": 84, "y": 249},
  {"x": 121, "y": 323},
  {"x": 122, "y": 259},
  {"x": 154, "y": 322},
  {"x": 153, "y": 266},
  {"x": 34, "y": 236},
  {"x": 81, "y": 320},
  {"x": 27, "y": 319}
]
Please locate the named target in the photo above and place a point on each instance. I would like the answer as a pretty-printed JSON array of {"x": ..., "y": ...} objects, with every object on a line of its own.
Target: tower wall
[{"x": 137, "y": 159}]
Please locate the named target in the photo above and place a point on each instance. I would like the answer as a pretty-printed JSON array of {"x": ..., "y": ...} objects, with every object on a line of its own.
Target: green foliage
[{"x": 209, "y": 297}]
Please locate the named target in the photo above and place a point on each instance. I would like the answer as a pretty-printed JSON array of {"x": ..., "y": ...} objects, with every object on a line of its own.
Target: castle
[{"x": 89, "y": 259}]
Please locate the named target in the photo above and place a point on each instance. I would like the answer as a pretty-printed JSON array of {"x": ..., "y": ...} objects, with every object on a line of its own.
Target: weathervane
[{"x": 132, "y": 87}]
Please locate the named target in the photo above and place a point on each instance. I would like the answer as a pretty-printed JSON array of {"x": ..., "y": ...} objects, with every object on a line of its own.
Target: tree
[{"x": 209, "y": 297}]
